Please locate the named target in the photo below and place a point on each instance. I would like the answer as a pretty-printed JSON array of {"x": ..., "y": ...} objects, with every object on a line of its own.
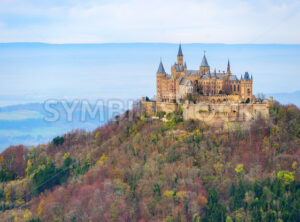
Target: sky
[
  {"x": 188, "y": 21},
  {"x": 258, "y": 36}
]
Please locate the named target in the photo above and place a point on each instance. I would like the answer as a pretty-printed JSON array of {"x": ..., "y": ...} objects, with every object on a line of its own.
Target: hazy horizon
[{"x": 34, "y": 72}]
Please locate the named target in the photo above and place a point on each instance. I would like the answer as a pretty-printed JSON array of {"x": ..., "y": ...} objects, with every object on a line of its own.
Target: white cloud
[{"x": 229, "y": 21}]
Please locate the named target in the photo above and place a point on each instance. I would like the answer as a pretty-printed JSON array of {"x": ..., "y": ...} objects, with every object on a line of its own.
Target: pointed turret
[
  {"x": 228, "y": 67},
  {"x": 179, "y": 51},
  {"x": 180, "y": 56},
  {"x": 204, "y": 62},
  {"x": 161, "y": 69},
  {"x": 246, "y": 76},
  {"x": 204, "y": 67}
]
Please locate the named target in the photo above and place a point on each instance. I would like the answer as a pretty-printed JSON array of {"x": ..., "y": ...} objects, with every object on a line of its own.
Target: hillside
[{"x": 136, "y": 169}]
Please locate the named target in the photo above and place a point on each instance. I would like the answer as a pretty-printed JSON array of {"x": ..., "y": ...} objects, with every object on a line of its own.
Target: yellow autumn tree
[
  {"x": 168, "y": 194},
  {"x": 7, "y": 194},
  {"x": 240, "y": 171},
  {"x": 294, "y": 165},
  {"x": 27, "y": 215},
  {"x": 286, "y": 177},
  {"x": 40, "y": 207},
  {"x": 101, "y": 159}
]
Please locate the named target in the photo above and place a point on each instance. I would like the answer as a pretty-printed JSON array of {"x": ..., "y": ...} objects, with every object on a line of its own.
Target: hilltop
[{"x": 139, "y": 169}]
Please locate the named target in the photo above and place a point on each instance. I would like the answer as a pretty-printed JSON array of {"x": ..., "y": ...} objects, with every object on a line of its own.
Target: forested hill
[{"x": 136, "y": 169}]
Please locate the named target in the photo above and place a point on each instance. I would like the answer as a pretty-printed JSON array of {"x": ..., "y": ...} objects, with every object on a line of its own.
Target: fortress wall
[
  {"x": 214, "y": 114},
  {"x": 207, "y": 112},
  {"x": 149, "y": 107},
  {"x": 166, "y": 107},
  {"x": 211, "y": 113}
]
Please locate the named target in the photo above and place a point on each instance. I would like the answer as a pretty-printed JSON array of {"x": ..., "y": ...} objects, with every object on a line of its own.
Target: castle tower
[
  {"x": 161, "y": 69},
  {"x": 246, "y": 87},
  {"x": 228, "y": 67},
  {"x": 160, "y": 76},
  {"x": 204, "y": 68},
  {"x": 180, "y": 56}
]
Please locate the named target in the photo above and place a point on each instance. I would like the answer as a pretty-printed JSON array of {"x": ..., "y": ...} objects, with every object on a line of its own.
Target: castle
[{"x": 204, "y": 94}]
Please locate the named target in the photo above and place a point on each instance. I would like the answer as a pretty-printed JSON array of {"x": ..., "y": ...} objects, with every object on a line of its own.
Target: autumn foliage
[{"x": 138, "y": 169}]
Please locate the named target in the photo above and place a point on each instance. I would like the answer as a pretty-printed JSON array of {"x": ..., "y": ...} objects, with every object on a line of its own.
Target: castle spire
[
  {"x": 161, "y": 69},
  {"x": 204, "y": 67},
  {"x": 204, "y": 62},
  {"x": 179, "y": 51},
  {"x": 228, "y": 67},
  {"x": 180, "y": 56}
]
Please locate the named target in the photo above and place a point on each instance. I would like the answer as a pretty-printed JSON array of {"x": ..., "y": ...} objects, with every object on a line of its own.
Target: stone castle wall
[
  {"x": 215, "y": 114},
  {"x": 218, "y": 114},
  {"x": 152, "y": 107}
]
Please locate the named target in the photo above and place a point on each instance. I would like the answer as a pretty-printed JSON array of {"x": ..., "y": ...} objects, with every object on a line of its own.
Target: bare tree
[{"x": 261, "y": 97}]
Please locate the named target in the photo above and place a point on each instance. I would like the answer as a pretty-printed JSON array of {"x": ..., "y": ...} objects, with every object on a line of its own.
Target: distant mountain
[
  {"x": 287, "y": 98},
  {"x": 33, "y": 123}
]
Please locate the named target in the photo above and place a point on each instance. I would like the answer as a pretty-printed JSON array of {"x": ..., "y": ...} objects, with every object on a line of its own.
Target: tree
[
  {"x": 240, "y": 171},
  {"x": 15, "y": 159},
  {"x": 261, "y": 97},
  {"x": 214, "y": 211},
  {"x": 286, "y": 177},
  {"x": 59, "y": 140},
  {"x": 44, "y": 177},
  {"x": 5, "y": 174}
]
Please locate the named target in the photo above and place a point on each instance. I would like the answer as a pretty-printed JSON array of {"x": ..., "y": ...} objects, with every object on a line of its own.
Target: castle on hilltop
[{"x": 203, "y": 92}]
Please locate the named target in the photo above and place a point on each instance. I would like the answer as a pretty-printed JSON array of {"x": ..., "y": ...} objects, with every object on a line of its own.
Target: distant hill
[
  {"x": 26, "y": 123},
  {"x": 287, "y": 98}
]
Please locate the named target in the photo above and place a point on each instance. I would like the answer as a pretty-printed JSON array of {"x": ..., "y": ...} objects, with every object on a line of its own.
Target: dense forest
[{"x": 138, "y": 169}]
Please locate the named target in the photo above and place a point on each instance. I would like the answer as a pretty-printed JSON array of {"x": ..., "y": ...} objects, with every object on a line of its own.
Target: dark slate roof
[
  {"x": 233, "y": 78},
  {"x": 179, "y": 68},
  {"x": 184, "y": 65},
  {"x": 192, "y": 72},
  {"x": 246, "y": 76},
  {"x": 161, "y": 68},
  {"x": 179, "y": 51},
  {"x": 185, "y": 81},
  {"x": 204, "y": 62}
]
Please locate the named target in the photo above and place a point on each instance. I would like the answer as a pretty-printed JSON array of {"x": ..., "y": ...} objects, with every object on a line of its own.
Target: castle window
[
  {"x": 234, "y": 88},
  {"x": 238, "y": 88}
]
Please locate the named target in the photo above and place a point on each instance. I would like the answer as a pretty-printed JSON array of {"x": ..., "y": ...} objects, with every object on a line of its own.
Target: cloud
[{"x": 229, "y": 21}]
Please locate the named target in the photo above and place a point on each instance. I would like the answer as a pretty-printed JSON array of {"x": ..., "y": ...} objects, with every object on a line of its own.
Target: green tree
[
  {"x": 214, "y": 211},
  {"x": 57, "y": 141}
]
